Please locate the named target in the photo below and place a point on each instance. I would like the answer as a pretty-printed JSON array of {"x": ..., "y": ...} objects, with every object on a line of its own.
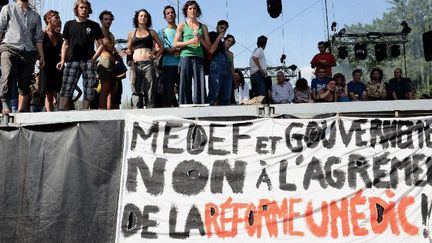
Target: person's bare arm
[
  {"x": 99, "y": 50},
  {"x": 324, "y": 93},
  {"x": 39, "y": 48},
  {"x": 352, "y": 96},
  {"x": 215, "y": 45},
  {"x": 410, "y": 95},
  {"x": 158, "y": 42},
  {"x": 64, "y": 52},
  {"x": 365, "y": 97},
  {"x": 205, "y": 41}
]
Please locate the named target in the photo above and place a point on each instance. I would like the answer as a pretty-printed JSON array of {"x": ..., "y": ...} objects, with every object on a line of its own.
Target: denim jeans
[
  {"x": 258, "y": 84},
  {"x": 192, "y": 82},
  {"x": 220, "y": 80},
  {"x": 35, "y": 108}
]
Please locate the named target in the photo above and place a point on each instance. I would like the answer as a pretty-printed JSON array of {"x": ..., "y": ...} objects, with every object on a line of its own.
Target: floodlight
[
  {"x": 395, "y": 51},
  {"x": 380, "y": 52},
  {"x": 406, "y": 29},
  {"x": 342, "y": 52},
  {"x": 293, "y": 67},
  {"x": 360, "y": 51}
]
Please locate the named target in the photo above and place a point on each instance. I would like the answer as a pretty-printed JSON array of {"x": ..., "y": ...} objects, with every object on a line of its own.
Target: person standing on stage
[
  {"x": 324, "y": 60},
  {"x": 50, "y": 76},
  {"x": 78, "y": 55},
  {"x": 258, "y": 68},
  {"x": 141, "y": 42},
  {"x": 170, "y": 74},
  {"x": 191, "y": 36},
  {"x": 106, "y": 63},
  {"x": 220, "y": 77},
  {"x": 22, "y": 29}
]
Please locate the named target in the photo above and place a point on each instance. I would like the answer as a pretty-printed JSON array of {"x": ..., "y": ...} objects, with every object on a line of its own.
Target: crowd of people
[
  {"x": 167, "y": 68},
  {"x": 327, "y": 87}
]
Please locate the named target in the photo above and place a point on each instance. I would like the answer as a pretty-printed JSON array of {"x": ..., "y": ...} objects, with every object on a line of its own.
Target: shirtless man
[{"x": 105, "y": 67}]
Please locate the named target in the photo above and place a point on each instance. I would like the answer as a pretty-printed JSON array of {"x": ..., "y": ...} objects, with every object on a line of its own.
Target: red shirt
[{"x": 328, "y": 59}]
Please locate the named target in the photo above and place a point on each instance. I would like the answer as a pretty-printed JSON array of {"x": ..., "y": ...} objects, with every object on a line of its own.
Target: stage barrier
[{"x": 351, "y": 172}]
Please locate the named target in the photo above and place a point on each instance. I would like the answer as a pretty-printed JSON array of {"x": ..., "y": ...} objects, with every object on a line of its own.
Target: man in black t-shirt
[
  {"x": 79, "y": 56},
  {"x": 221, "y": 28},
  {"x": 400, "y": 87}
]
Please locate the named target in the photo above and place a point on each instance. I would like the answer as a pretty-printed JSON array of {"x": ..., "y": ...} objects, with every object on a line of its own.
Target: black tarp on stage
[{"x": 60, "y": 182}]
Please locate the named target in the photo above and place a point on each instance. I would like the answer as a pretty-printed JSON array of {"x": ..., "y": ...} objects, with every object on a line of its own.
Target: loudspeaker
[
  {"x": 274, "y": 8},
  {"x": 427, "y": 45},
  {"x": 380, "y": 52}
]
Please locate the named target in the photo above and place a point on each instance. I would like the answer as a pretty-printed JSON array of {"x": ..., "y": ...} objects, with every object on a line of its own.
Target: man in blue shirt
[
  {"x": 282, "y": 91},
  {"x": 318, "y": 83},
  {"x": 171, "y": 59},
  {"x": 356, "y": 88}
]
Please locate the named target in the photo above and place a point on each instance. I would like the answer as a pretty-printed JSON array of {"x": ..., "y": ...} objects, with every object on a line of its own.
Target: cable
[
  {"x": 226, "y": 9},
  {"x": 333, "y": 9},
  {"x": 326, "y": 18},
  {"x": 286, "y": 22},
  {"x": 283, "y": 34}
]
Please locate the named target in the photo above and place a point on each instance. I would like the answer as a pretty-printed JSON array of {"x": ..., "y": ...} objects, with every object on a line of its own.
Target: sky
[{"x": 295, "y": 32}]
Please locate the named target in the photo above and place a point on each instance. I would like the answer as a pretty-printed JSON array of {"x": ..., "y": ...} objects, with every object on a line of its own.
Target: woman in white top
[{"x": 241, "y": 88}]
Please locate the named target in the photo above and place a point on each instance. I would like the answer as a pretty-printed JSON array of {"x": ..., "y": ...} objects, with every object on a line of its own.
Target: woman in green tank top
[{"x": 191, "y": 36}]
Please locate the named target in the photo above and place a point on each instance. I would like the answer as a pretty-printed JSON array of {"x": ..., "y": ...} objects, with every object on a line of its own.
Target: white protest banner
[{"x": 276, "y": 180}]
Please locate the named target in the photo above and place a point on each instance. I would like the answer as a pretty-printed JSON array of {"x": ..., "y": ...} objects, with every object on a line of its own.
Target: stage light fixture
[
  {"x": 406, "y": 29},
  {"x": 283, "y": 58},
  {"x": 380, "y": 52},
  {"x": 293, "y": 67},
  {"x": 274, "y": 8},
  {"x": 342, "y": 52},
  {"x": 374, "y": 35},
  {"x": 395, "y": 51},
  {"x": 333, "y": 26},
  {"x": 360, "y": 51},
  {"x": 341, "y": 32}
]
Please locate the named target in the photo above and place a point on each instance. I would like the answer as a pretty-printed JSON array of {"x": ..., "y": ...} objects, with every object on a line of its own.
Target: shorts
[
  {"x": 71, "y": 75},
  {"x": 105, "y": 69}
]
